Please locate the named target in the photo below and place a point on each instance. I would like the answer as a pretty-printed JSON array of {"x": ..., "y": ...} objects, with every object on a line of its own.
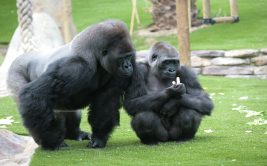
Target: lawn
[
  {"x": 232, "y": 142},
  {"x": 250, "y": 32}
]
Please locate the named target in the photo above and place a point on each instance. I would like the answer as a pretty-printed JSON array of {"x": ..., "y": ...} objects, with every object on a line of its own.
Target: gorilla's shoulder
[
  {"x": 187, "y": 72},
  {"x": 142, "y": 68}
]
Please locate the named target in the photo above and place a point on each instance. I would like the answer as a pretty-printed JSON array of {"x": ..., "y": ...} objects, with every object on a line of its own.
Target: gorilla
[
  {"x": 93, "y": 70},
  {"x": 162, "y": 111}
]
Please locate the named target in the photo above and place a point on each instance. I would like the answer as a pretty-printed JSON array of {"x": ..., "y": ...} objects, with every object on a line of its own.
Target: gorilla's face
[
  {"x": 164, "y": 61},
  {"x": 117, "y": 56},
  {"x": 115, "y": 51},
  {"x": 109, "y": 44}
]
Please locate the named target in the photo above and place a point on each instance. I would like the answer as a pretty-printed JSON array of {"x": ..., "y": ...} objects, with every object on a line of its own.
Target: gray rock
[
  {"x": 262, "y": 76},
  {"x": 225, "y": 70},
  {"x": 208, "y": 53},
  {"x": 260, "y": 60},
  {"x": 262, "y": 70},
  {"x": 264, "y": 51},
  {"x": 205, "y": 62},
  {"x": 197, "y": 70},
  {"x": 198, "y": 62},
  {"x": 222, "y": 61},
  {"x": 245, "y": 53},
  {"x": 241, "y": 76},
  {"x": 15, "y": 149}
]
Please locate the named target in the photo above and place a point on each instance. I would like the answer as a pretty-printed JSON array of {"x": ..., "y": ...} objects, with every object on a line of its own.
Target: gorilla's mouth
[
  {"x": 123, "y": 73},
  {"x": 169, "y": 74},
  {"x": 125, "y": 66}
]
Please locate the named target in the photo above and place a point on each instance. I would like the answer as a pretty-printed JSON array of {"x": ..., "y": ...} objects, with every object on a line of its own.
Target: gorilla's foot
[
  {"x": 83, "y": 136},
  {"x": 150, "y": 142},
  {"x": 63, "y": 145},
  {"x": 96, "y": 143}
]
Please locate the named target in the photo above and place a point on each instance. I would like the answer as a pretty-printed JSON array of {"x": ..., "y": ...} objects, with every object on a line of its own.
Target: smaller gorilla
[{"x": 162, "y": 111}]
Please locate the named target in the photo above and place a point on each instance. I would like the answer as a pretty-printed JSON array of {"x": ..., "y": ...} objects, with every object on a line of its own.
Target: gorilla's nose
[
  {"x": 127, "y": 65},
  {"x": 171, "y": 70}
]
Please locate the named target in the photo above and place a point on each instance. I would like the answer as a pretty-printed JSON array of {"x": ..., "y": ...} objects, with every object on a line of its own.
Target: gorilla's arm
[
  {"x": 137, "y": 98},
  {"x": 195, "y": 97},
  {"x": 39, "y": 98}
]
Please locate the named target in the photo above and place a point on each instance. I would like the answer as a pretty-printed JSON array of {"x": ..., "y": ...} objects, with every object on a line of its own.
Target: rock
[
  {"x": 198, "y": 62},
  {"x": 15, "y": 149},
  {"x": 241, "y": 76},
  {"x": 264, "y": 51},
  {"x": 229, "y": 61},
  {"x": 260, "y": 60},
  {"x": 205, "y": 62},
  {"x": 197, "y": 70},
  {"x": 260, "y": 70},
  {"x": 141, "y": 56},
  {"x": 245, "y": 53},
  {"x": 46, "y": 36},
  {"x": 208, "y": 53},
  {"x": 225, "y": 70},
  {"x": 262, "y": 76}
]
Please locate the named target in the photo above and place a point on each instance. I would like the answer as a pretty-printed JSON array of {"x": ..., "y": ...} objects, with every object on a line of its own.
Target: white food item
[{"x": 178, "y": 80}]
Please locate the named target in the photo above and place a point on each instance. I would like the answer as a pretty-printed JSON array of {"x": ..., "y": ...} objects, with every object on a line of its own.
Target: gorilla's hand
[
  {"x": 176, "y": 90},
  {"x": 170, "y": 108}
]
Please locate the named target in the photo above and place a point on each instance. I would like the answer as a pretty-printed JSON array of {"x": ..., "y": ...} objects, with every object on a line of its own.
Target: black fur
[
  {"x": 93, "y": 70},
  {"x": 161, "y": 111}
]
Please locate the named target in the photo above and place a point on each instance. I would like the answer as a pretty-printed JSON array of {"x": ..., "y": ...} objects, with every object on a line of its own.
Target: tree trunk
[{"x": 164, "y": 14}]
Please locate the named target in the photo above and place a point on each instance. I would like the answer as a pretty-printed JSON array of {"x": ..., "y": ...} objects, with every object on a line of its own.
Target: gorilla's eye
[
  {"x": 154, "y": 57},
  {"x": 105, "y": 52}
]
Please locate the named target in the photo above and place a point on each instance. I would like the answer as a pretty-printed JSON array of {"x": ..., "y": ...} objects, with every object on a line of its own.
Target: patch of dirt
[{"x": 152, "y": 32}]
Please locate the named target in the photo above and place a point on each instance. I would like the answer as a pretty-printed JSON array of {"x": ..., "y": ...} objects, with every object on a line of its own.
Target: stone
[
  {"x": 244, "y": 53},
  {"x": 264, "y": 51},
  {"x": 222, "y": 61},
  {"x": 208, "y": 53},
  {"x": 262, "y": 76},
  {"x": 46, "y": 37},
  {"x": 15, "y": 149},
  {"x": 197, "y": 70},
  {"x": 260, "y": 60},
  {"x": 225, "y": 70},
  {"x": 262, "y": 70},
  {"x": 241, "y": 76},
  {"x": 198, "y": 62},
  {"x": 205, "y": 62}
]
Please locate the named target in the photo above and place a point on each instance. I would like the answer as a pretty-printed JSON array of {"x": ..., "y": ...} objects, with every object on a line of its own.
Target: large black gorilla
[
  {"x": 94, "y": 69},
  {"x": 162, "y": 111}
]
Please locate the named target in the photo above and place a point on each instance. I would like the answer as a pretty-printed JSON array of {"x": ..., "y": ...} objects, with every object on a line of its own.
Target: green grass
[
  {"x": 250, "y": 32},
  {"x": 1, "y": 59},
  {"x": 229, "y": 144}
]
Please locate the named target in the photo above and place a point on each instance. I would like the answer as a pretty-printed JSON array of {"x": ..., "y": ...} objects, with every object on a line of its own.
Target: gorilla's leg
[
  {"x": 149, "y": 128},
  {"x": 72, "y": 124},
  {"x": 103, "y": 117},
  {"x": 36, "y": 109},
  {"x": 185, "y": 124}
]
